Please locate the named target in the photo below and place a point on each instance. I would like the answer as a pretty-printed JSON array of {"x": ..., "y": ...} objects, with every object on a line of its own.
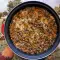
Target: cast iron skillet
[{"x": 10, "y": 43}]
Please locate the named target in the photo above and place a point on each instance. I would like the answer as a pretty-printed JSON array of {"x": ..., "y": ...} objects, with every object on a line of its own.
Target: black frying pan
[{"x": 9, "y": 41}]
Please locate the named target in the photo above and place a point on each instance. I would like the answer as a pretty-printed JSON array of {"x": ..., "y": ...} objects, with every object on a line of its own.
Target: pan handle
[{"x": 37, "y": 59}]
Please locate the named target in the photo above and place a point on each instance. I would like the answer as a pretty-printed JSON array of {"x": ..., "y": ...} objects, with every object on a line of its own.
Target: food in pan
[{"x": 33, "y": 30}]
